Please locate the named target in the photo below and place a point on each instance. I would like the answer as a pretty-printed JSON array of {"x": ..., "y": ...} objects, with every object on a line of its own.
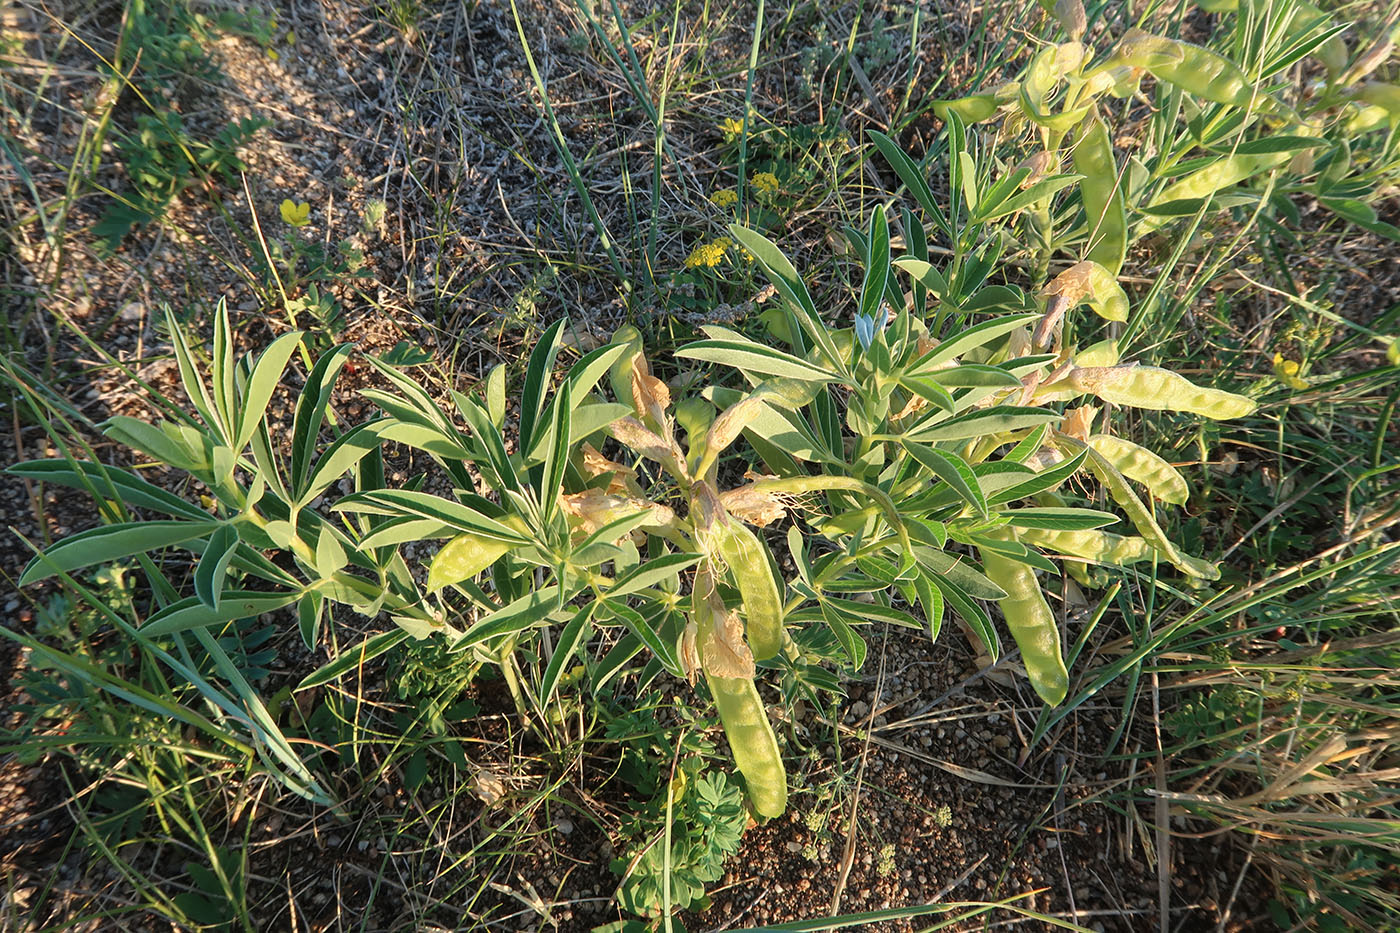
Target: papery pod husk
[
  {"x": 1143, "y": 466},
  {"x": 741, "y": 712},
  {"x": 1092, "y": 283}
]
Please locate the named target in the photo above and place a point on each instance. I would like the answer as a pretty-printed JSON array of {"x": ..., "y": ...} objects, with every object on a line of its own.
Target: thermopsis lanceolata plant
[{"x": 940, "y": 434}]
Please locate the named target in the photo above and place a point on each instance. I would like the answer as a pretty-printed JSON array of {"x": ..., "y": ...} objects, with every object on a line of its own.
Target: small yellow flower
[
  {"x": 708, "y": 255},
  {"x": 1287, "y": 372},
  {"x": 765, "y": 184},
  {"x": 731, "y": 127},
  {"x": 294, "y": 214},
  {"x": 725, "y": 197}
]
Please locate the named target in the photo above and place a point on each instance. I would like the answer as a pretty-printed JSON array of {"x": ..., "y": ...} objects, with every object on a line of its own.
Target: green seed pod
[
  {"x": 620, "y": 373},
  {"x": 1141, "y": 516},
  {"x": 1031, "y": 623},
  {"x": 741, "y": 712},
  {"x": 1101, "y": 547},
  {"x": 1103, "y": 353},
  {"x": 1224, "y": 173},
  {"x": 462, "y": 558},
  {"x": 1102, "y": 196},
  {"x": 1047, "y": 68},
  {"x": 1157, "y": 390},
  {"x": 1197, "y": 71},
  {"x": 746, "y": 556},
  {"x": 1143, "y": 466}
]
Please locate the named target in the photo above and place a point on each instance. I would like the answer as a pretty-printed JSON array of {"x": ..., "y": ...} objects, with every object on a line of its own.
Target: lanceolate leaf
[
  {"x": 190, "y": 613},
  {"x": 790, "y": 285},
  {"x": 755, "y": 358},
  {"x": 213, "y": 566},
  {"x": 108, "y": 481},
  {"x": 311, "y": 411},
  {"x": 570, "y": 640},
  {"x": 112, "y": 542},
  {"x": 953, "y": 470},
  {"x": 267, "y": 375}
]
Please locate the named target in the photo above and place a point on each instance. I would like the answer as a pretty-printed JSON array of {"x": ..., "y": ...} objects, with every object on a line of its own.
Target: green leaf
[
  {"x": 877, "y": 265},
  {"x": 153, "y": 442},
  {"x": 267, "y": 375},
  {"x": 953, "y": 470},
  {"x": 959, "y": 570},
  {"x": 790, "y": 285},
  {"x": 190, "y": 613},
  {"x": 112, "y": 542},
  {"x": 650, "y": 573},
  {"x": 349, "y": 449},
  {"x": 1045, "y": 479},
  {"x": 408, "y": 502},
  {"x": 521, "y": 614},
  {"x": 354, "y": 658},
  {"x": 998, "y": 419},
  {"x": 1059, "y": 519},
  {"x": 311, "y": 409},
  {"x": 570, "y": 640},
  {"x": 189, "y": 376},
  {"x": 108, "y": 482},
  {"x": 213, "y": 566},
  {"x": 1037, "y": 192},
  {"x": 556, "y": 460},
  {"x": 536, "y": 375},
  {"x": 976, "y": 336},
  {"x": 755, "y": 358},
  {"x": 645, "y": 631},
  {"x": 404, "y": 529},
  {"x": 975, "y": 375},
  {"x": 913, "y": 179},
  {"x": 310, "y": 609},
  {"x": 841, "y": 626}
]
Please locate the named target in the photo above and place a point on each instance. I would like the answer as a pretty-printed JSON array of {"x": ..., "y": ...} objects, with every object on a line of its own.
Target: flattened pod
[
  {"x": 462, "y": 558},
  {"x": 1200, "y": 72},
  {"x": 1158, "y": 390},
  {"x": 747, "y": 557},
  {"x": 1224, "y": 173},
  {"x": 1102, "y": 197},
  {"x": 1142, "y": 519},
  {"x": 741, "y": 712},
  {"x": 1143, "y": 466},
  {"x": 752, "y": 741},
  {"x": 1101, "y": 547},
  {"x": 1031, "y": 623}
]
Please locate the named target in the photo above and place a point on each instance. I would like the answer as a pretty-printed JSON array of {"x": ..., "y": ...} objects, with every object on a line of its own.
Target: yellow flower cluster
[
  {"x": 731, "y": 127},
  {"x": 1288, "y": 371},
  {"x": 725, "y": 197},
  {"x": 708, "y": 255},
  {"x": 765, "y": 184}
]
